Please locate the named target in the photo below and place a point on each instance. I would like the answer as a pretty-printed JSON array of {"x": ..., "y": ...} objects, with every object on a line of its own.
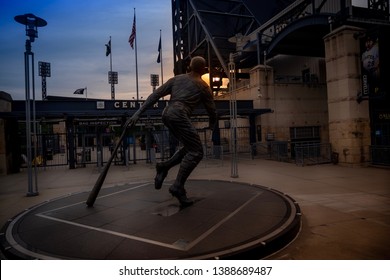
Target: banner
[{"x": 370, "y": 61}]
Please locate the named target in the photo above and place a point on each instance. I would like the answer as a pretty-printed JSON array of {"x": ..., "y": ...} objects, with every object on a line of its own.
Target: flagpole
[
  {"x": 161, "y": 60},
  {"x": 136, "y": 59},
  {"x": 110, "y": 56}
]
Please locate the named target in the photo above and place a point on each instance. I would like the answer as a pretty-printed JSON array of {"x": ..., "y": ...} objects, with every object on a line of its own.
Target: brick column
[{"x": 349, "y": 122}]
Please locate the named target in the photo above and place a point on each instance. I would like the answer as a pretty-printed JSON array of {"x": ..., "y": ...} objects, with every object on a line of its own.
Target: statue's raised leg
[{"x": 162, "y": 168}]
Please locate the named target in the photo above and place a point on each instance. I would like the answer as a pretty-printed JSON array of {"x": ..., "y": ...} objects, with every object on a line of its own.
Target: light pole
[
  {"x": 233, "y": 114},
  {"x": 32, "y": 23}
]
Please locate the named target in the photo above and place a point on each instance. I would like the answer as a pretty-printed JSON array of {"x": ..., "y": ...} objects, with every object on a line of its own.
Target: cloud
[{"x": 74, "y": 41}]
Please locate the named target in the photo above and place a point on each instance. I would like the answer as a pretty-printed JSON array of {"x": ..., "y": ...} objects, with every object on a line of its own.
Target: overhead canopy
[
  {"x": 64, "y": 108},
  {"x": 260, "y": 29}
]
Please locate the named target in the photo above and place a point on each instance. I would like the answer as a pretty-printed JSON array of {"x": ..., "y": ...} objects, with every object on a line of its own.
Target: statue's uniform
[{"x": 186, "y": 94}]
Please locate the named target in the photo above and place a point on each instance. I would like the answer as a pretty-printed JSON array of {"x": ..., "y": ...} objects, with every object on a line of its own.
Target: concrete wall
[{"x": 294, "y": 105}]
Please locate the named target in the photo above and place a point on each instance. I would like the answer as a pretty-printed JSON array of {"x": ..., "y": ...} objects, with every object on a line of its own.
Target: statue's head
[{"x": 198, "y": 65}]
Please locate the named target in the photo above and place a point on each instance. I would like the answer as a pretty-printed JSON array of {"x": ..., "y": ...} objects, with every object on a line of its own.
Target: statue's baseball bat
[{"x": 99, "y": 182}]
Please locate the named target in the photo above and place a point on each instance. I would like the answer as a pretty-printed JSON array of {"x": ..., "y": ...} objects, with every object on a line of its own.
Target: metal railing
[
  {"x": 213, "y": 155},
  {"x": 276, "y": 150},
  {"x": 315, "y": 153}
]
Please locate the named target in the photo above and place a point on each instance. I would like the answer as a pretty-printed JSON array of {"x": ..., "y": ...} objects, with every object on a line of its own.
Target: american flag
[{"x": 132, "y": 35}]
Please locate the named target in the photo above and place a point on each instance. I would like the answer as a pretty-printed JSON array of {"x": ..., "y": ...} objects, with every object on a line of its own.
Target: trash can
[{"x": 49, "y": 154}]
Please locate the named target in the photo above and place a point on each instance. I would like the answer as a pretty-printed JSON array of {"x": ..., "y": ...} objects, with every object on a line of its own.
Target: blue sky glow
[{"x": 73, "y": 42}]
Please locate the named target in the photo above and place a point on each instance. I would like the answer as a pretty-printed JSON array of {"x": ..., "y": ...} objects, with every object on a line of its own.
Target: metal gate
[
  {"x": 243, "y": 140},
  {"x": 147, "y": 144},
  {"x": 47, "y": 150}
]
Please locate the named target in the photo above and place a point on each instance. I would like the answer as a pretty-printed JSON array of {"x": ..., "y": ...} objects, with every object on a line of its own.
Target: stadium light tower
[{"x": 32, "y": 23}]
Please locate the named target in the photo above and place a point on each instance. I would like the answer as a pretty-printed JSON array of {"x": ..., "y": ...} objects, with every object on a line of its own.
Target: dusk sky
[{"x": 73, "y": 42}]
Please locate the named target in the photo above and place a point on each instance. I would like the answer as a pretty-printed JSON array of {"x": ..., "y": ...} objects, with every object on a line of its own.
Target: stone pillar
[
  {"x": 9, "y": 144},
  {"x": 263, "y": 96},
  {"x": 349, "y": 122}
]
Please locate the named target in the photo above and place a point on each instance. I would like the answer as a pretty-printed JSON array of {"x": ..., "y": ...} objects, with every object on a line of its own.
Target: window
[{"x": 305, "y": 133}]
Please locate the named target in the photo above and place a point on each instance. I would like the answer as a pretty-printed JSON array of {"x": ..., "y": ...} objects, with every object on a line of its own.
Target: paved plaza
[{"x": 345, "y": 210}]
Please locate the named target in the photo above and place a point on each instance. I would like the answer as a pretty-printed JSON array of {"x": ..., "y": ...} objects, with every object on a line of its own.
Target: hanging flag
[
  {"x": 79, "y": 91},
  {"x": 108, "y": 48},
  {"x": 159, "y": 51},
  {"x": 133, "y": 33}
]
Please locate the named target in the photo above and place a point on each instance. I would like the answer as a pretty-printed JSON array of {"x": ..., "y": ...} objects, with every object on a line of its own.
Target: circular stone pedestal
[{"x": 229, "y": 220}]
